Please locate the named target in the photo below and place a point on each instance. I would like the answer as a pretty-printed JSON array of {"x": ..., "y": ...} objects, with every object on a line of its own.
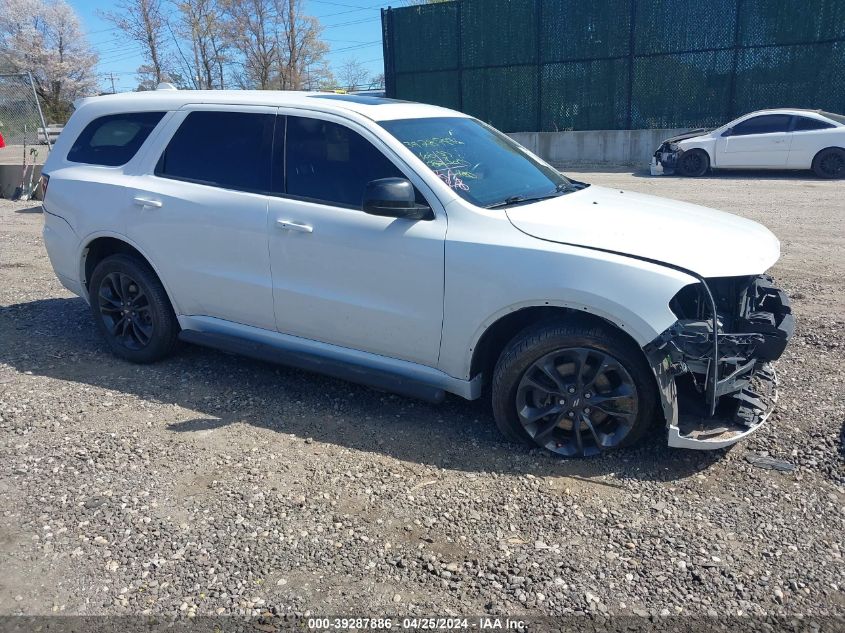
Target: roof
[{"x": 375, "y": 108}]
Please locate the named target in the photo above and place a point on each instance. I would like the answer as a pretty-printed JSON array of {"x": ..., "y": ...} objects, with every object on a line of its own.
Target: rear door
[
  {"x": 200, "y": 212},
  {"x": 761, "y": 141}
]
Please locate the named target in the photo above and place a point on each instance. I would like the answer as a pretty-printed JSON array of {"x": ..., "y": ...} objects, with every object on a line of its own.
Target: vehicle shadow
[
  {"x": 35, "y": 209},
  {"x": 56, "y": 338},
  {"x": 739, "y": 174}
]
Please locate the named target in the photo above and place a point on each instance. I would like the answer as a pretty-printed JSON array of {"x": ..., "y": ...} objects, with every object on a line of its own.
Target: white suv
[{"x": 415, "y": 249}]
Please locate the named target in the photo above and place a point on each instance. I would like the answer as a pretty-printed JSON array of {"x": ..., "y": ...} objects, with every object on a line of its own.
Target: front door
[
  {"x": 761, "y": 141},
  {"x": 340, "y": 275},
  {"x": 201, "y": 213}
]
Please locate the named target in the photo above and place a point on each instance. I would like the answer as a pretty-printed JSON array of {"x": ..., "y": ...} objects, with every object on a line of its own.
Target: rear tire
[
  {"x": 830, "y": 163},
  {"x": 573, "y": 389},
  {"x": 131, "y": 309},
  {"x": 694, "y": 163}
]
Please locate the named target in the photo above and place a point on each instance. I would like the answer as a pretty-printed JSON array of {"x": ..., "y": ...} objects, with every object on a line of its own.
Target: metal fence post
[
  {"x": 460, "y": 56},
  {"x": 40, "y": 113},
  {"x": 538, "y": 29},
  {"x": 734, "y": 63},
  {"x": 388, "y": 52},
  {"x": 631, "y": 48}
]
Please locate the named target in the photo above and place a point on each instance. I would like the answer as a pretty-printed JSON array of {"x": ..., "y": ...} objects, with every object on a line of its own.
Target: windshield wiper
[{"x": 561, "y": 189}]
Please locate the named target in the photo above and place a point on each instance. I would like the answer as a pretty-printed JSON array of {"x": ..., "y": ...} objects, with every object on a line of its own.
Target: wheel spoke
[
  {"x": 576, "y": 434},
  {"x": 529, "y": 415},
  {"x": 143, "y": 332},
  {"x": 549, "y": 370},
  {"x": 606, "y": 364},
  {"x": 586, "y": 419},
  {"x": 125, "y": 282},
  {"x": 140, "y": 299},
  {"x": 544, "y": 432}
]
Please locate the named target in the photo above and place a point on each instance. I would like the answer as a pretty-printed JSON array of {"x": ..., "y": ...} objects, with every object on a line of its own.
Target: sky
[{"x": 351, "y": 28}]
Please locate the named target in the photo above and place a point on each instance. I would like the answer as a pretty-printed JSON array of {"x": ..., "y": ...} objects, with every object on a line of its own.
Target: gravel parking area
[{"x": 211, "y": 484}]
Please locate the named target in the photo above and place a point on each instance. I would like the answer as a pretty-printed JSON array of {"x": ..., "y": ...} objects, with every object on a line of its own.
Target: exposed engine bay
[{"x": 725, "y": 385}]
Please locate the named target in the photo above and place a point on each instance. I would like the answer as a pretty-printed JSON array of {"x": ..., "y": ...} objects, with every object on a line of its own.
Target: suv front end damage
[{"x": 715, "y": 375}]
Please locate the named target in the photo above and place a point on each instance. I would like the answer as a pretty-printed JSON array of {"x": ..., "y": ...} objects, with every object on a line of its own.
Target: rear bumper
[{"x": 707, "y": 410}]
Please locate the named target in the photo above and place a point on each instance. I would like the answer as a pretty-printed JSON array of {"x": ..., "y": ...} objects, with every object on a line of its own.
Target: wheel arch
[
  {"x": 824, "y": 149},
  {"x": 98, "y": 246},
  {"x": 489, "y": 345}
]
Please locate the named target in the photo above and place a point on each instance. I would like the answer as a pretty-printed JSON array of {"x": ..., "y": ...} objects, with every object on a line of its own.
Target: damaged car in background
[{"x": 768, "y": 139}]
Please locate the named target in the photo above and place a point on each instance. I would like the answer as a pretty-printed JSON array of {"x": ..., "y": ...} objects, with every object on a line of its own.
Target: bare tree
[
  {"x": 200, "y": 41},
  {"x": 44, "y": 37},
  {"x": 253, "y": 31},
  {"x": 352, "y": 73},
  {"x": 144, "y": 22},
  {"x": 302, "y": 63}
]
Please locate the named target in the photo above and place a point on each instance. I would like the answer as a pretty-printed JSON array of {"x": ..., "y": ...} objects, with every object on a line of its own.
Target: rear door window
[
  {"x": 230, "y": 150},
  {"x": 806, "y": 124},
  {"x": 764, "y": 124},
  {"x": 113, "y": 140}
]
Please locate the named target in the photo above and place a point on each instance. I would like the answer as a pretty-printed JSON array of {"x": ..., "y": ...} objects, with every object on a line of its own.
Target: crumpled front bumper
[
  {"x": 706, "y": 409},
  {"x": 664, "y": 161}
]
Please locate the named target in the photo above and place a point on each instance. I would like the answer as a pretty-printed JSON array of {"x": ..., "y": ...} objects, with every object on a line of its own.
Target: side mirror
[{"x": 394, "y": 198}]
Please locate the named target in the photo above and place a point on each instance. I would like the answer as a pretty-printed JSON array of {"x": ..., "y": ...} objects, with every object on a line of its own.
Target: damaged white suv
[{"x": 418, "y": 250}]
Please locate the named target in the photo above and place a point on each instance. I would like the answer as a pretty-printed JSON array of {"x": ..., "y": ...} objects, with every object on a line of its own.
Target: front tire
[
  {"x": 830, "y": 163},
  {"x": 693, "y": 163},
  {"x": 573, "y": 389},
  {"x": 131, "y": 309}
]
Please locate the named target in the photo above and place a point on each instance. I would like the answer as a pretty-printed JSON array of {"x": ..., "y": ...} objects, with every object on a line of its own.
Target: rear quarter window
[{"x": 114, "y": 139}]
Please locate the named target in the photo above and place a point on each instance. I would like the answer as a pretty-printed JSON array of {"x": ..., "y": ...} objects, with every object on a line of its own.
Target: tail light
[{"x": 45, "y": 180}]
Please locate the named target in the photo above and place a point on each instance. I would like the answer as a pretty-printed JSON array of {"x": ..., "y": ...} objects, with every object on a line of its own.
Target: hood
[
  {"x": 691, "y": 134},
  {"x": 708, "y": 242}
]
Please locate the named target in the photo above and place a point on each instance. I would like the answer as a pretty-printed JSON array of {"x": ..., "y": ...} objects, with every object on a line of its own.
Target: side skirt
[{"x": 380, "y": 372}]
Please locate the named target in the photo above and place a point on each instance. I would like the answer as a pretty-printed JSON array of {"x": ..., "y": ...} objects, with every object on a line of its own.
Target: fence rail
[{"x": 546, "y": 65}]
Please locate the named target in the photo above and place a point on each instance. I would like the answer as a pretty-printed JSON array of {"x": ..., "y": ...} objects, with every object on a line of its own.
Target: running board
[{"x": 374, "y": 378}]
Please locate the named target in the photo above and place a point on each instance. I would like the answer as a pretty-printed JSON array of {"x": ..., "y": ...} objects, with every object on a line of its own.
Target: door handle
[
  {"x": 287, "y": 225},
  {"x": 146, "y": 202}
]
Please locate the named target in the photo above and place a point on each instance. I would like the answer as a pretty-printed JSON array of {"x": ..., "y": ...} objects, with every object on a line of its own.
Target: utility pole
[{"x": 111, "y": 76}]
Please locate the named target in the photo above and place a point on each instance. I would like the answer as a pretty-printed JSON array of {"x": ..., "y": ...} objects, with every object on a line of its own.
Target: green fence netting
[{"x": 547, "y": 65}]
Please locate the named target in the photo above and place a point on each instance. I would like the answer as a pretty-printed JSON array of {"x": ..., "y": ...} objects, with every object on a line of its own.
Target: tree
[
  {"x": 144, "y": 22},
  {"x": 303, "y": 63},
  {"x": 352, "y": 73},
  {"x": 44, "y": 37},
  {"x": 200, "y": 41},
  {"x": 253, "y": 29}
]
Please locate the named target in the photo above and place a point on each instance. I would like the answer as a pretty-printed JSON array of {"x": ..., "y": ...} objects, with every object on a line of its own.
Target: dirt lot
[{"x": 212, "y": 484}]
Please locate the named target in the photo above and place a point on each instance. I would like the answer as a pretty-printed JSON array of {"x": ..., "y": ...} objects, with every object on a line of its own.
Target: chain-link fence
[
  {"x": 21, "y": 122},
  {"x": 546, "y": 65}
]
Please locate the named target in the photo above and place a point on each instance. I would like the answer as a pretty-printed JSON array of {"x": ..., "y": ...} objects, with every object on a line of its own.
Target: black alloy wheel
[
  {"x": 693, "y": 163},
  {"x": 577, "y": 401},
  {"x": 830, "y": 163},
  {"x": 132, "y": 309},
  {"x": 125, "y": 310}
]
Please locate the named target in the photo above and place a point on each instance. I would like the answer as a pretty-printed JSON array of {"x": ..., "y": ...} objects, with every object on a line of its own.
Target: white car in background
[{"x": 768, "y": 139}]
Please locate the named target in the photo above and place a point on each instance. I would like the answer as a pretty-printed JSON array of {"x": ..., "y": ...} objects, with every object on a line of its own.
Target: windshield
[{"x": 480, "y": 164}]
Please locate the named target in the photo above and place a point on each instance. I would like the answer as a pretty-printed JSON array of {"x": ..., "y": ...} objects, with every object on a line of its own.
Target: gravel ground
[{"x": 210, "y": 484}]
